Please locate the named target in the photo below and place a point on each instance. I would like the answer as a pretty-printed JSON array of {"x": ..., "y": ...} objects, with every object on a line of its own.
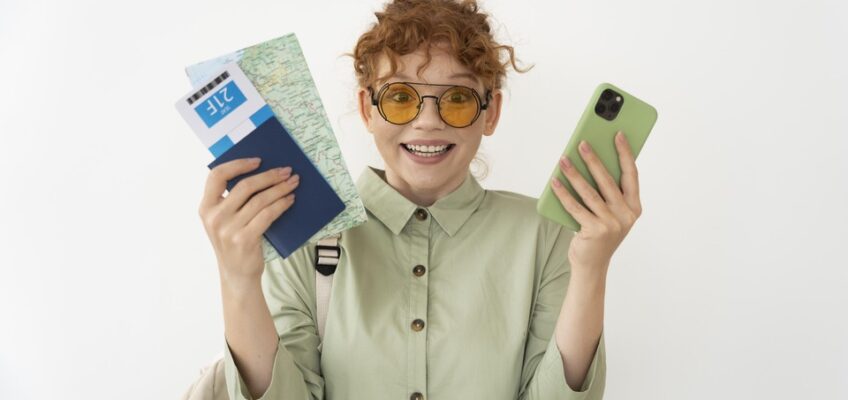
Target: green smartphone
[{"x": 609, "y": 110}]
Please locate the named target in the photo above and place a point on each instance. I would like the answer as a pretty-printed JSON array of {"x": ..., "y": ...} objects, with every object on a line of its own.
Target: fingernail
[
  {"x": 294, "y": 178},
  {"x": 584, "y": 147},
  {"x": 284, "y": 171},
  {"x": 565, "y": 162},
  {"x": 620, "y": 136},
  {"x": 254, "y": 160},
  {"x": 556, "y": 182}
]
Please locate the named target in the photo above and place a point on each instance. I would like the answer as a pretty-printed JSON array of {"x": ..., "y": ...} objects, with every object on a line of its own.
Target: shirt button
[
  {"x": 421, "y": 214},
  {"x": 416, "y": 396},
  {"x": 417, "y": 325},
  {"x": 419, "y": 270}
]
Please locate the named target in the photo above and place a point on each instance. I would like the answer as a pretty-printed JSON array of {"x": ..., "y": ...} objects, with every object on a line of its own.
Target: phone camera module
[{"x": 609, "y": 104}]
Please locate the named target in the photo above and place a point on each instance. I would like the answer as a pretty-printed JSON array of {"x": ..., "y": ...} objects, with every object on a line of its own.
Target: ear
[
  {"x": 364, "y": 101},
  {"x": 493, "y": 112}
]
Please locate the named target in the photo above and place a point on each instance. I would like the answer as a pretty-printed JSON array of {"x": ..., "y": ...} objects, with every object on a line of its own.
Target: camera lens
[
  {"x": 615, "y": 107},
  {"x": 600, "y": 109},
  {"x": 606, "y": 95}
]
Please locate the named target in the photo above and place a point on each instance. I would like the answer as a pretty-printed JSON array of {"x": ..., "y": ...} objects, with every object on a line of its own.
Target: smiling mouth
[{"x": 427, "y": 151}]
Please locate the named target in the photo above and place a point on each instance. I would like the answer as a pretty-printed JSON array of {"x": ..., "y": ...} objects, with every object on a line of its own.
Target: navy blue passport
[{"x": 315, "y": 204}]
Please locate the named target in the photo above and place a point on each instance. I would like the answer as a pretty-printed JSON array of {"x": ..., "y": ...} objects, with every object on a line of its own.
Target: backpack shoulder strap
[{"x": 327, "y": 254}]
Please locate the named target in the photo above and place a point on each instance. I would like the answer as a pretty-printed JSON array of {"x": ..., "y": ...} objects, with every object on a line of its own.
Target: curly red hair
[{"x": 404, "y": 26}]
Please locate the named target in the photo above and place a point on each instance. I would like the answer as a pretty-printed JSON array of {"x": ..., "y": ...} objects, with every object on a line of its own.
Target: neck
[{"x": 424, "y": 196}]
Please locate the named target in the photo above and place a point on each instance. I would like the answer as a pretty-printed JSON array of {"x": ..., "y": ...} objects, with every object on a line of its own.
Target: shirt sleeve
[
  {"x": 543, "y": 375},
  {"x": 288, "y": 286}
]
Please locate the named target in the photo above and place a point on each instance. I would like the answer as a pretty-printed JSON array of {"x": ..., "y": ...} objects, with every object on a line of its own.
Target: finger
[
  {"x": 247, "y": 187},
  {"x": 264, "y": 198},
  {"x": 216, "y": 181},
  {"x": 629, "y": 173},
  {"x": 580, "y": 213},
  {"x": 606, "y": 183},
  {"x": 584, "y": 189},
  {"x": 260, "y": 223}
]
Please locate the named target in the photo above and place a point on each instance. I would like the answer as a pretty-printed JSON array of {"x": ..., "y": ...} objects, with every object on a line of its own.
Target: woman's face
[{"x": 425, "y": 179}]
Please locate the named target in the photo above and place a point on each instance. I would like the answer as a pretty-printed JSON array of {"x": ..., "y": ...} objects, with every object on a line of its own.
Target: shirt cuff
[
  {"x": 286, "y": 380},
  {"x": 551, "y": 377}
]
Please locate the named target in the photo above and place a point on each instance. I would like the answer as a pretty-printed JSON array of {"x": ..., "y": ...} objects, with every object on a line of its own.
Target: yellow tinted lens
[
  {"x": 399, "y": 103},
  {"x": 459, "y": 106}
]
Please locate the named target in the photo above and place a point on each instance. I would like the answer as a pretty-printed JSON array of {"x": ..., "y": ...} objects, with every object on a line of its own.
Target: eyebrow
[
  {"x": 458, "y": 75},
  {"x": 464, "y": 75}
]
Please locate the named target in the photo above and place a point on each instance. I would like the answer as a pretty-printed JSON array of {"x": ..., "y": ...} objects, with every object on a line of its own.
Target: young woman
[{"x": 449, "y": 290}]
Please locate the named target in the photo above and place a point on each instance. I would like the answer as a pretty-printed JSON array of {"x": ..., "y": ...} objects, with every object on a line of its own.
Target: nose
[{"x": 428, "y": 117}]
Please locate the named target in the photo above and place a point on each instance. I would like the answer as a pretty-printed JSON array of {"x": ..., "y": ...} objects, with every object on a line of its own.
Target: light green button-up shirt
[{"x": 457, "y": 301}]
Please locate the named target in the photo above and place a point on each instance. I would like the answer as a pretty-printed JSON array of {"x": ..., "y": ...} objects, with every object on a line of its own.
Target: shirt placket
[{"x": 419, "y": 232}]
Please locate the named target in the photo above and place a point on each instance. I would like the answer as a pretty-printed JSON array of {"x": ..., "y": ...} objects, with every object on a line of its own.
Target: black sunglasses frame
[{"x": 480, "y": 105}]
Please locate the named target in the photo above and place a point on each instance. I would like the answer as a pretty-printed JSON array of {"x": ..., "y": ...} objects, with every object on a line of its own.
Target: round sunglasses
[{"x": 399, "y": 103}]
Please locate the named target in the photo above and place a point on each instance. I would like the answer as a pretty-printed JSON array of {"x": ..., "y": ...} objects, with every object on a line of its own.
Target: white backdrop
[{"x": 732, "y": 285}]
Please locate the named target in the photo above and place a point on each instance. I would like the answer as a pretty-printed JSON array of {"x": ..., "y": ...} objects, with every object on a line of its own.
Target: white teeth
[{"x": 426, "y": 151}]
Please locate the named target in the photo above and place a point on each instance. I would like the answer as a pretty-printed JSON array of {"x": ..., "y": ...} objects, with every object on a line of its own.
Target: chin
[
  {"x": 425, "y": 179},
  {"x": 428, "y": 176}
]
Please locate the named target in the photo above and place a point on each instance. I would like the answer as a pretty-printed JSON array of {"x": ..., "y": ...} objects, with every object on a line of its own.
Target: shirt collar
[{"x": 393, "y": 210}]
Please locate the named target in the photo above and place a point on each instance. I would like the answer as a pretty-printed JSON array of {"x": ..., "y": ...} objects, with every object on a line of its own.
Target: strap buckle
[{"x": 327, "y": 254}]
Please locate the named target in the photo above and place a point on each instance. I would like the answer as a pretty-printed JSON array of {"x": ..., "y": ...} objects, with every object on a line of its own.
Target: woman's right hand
[{"x": 235, "y": 223}]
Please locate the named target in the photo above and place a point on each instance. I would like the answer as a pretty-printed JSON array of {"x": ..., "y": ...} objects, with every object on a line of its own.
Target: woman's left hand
[{"x": 611, "y": 213}]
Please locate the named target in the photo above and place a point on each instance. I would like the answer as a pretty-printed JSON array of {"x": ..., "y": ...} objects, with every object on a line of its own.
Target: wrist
[
  {"x": 589, "y": 274},
  {"x": 240, "y": 285}
]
